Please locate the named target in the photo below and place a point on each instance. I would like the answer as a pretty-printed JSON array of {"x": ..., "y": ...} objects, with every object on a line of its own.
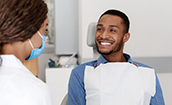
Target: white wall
[
  {"x": 150, "y": 30},
  {"x": 166, "y": 86}
]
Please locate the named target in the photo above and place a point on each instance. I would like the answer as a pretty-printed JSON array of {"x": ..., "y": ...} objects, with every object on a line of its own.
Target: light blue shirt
[{"x": 76, "y": 90}]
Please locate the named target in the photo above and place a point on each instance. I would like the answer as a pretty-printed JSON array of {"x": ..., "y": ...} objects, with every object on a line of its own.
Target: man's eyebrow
[
  {"x": 109, "y": 25},
  {"x": 99, "y": 24},
  {"x": 113, "y": 26}
]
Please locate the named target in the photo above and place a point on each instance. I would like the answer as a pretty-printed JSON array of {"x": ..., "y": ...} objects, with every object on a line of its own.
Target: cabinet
[{"x": 57, "y": 80}]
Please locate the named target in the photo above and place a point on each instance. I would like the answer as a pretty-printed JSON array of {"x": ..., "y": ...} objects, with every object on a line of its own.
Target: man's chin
[{"x": 105, "y": 52}]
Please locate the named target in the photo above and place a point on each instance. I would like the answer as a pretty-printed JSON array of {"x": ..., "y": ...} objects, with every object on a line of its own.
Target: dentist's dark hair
[
  {"x": 122, "y": 15},
  {"x": 20, "y": 19}
]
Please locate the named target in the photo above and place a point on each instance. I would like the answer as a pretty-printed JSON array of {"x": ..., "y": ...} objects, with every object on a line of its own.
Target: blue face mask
[{"x": 37, "y": 51}]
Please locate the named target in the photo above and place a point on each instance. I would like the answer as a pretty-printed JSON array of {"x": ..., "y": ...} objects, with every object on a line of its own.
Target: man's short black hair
[{"x": 126, "y": 21}]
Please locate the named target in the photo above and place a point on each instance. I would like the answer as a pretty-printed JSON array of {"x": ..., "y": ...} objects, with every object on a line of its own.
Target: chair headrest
[{"x": 91, "y": 34}]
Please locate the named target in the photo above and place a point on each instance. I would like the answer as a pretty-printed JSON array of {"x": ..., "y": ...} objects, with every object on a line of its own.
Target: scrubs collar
[{"x": 13, "y": 62}]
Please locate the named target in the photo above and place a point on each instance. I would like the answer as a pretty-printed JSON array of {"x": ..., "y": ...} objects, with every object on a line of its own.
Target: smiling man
[
  {"x": 113, "y": 79},
  {"x": 111, "y": 34}
]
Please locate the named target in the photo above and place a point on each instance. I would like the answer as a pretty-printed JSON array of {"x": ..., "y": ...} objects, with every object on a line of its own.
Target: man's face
[{"x": 109, "y": 34}]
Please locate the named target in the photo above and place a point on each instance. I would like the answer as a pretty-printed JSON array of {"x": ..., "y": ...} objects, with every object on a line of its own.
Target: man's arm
[
  {"x": 76, "y": 91},
  {"x": 158, "y": 98}
]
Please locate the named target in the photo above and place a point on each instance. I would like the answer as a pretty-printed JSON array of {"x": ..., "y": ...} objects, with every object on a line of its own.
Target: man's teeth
[{"x": 105, "y": 43}]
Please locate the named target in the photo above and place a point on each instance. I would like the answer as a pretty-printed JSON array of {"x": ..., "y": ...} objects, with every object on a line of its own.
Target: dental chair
[
  {"x": 91, "y": 39},
  {"x": 64, "y": 101}
]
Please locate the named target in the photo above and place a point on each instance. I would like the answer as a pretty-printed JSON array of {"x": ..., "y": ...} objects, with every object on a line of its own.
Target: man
[{"x": 113, "y": 79}]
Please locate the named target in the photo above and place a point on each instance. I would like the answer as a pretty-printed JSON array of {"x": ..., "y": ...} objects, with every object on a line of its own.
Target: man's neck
[{"x": 115, "y": 57}]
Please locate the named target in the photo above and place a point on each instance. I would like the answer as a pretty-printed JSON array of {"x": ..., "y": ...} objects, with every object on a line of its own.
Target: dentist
[{"x": 22, "y": 28}]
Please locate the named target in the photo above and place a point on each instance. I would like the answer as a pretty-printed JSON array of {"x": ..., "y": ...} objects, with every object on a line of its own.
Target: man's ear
[{"x": 126, "y": 37}]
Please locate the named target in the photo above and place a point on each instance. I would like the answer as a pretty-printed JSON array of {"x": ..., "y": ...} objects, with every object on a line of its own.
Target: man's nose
[{"x": 104, "y": 34}]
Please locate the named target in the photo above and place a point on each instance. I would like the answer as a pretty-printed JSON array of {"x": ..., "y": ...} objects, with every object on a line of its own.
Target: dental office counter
[{"x": 57, "y": 80}]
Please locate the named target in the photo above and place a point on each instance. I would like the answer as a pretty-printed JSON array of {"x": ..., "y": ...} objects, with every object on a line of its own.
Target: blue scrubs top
[{"x": 76, "y": 91}]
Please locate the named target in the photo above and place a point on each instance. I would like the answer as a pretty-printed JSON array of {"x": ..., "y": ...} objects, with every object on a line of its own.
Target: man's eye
[
  {"x": 112, "y": 30},
  {"x": 99, "y": 29}
]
